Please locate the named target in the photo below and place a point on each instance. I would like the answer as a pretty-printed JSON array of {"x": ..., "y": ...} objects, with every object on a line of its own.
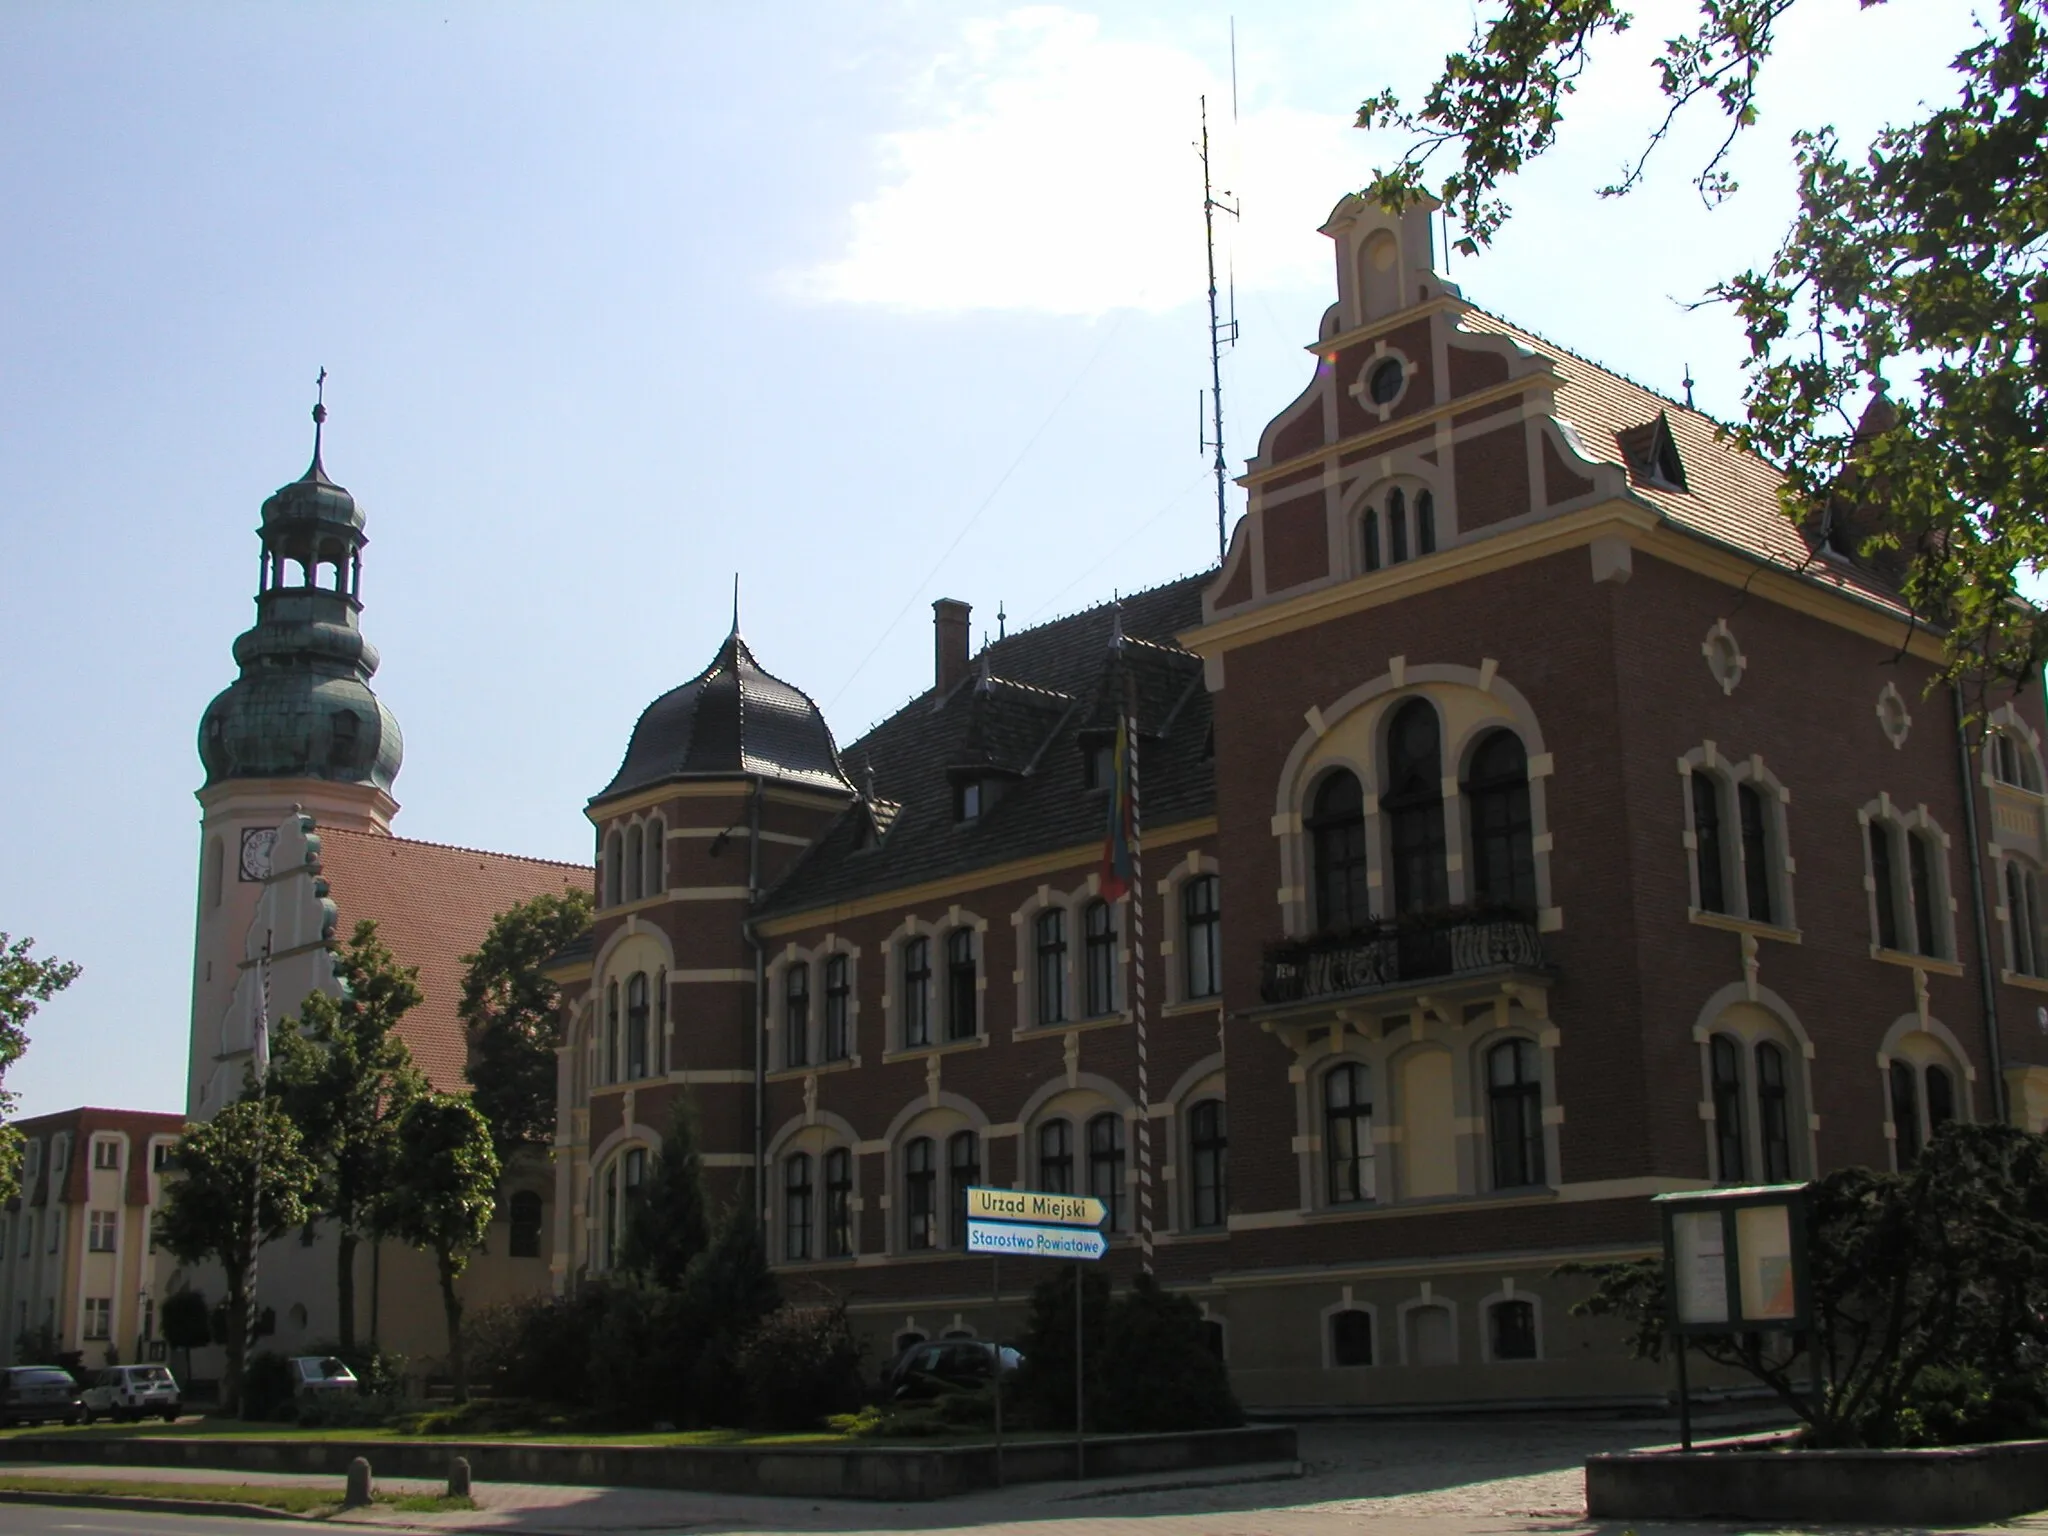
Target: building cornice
[{"x": 688, "y": 789}]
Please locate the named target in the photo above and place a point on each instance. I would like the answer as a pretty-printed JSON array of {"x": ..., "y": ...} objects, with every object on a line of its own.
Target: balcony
[{"x": 1399, "y": 956}]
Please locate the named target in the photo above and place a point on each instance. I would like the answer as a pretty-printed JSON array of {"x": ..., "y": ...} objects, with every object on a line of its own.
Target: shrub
[
  {"x": 267, "y": 1388},
  {"x": 538, "y": 1348},
  {"x": 800, "y": 1365},
  {"x": 1158, "y": 1372}
]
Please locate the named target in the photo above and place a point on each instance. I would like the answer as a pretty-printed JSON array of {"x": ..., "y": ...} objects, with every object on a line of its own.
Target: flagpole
[
  {"x": 1145, "y": 1244},
  {"x": 260, "y": 1052}
]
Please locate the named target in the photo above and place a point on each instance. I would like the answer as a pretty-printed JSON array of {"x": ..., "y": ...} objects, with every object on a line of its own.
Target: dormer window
[
  {"x": 967, "y": 800},
  {"x": 1098, "y": 764},
  {"x": 1394, "y": 524},
  {"x": 1652, "y": 454}
]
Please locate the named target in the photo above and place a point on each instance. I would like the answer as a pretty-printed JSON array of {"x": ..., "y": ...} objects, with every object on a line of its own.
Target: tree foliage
[
  {"x": 242, "y": 1180},
  {"x": 1913, "y": 276},
  {"x": 346, "y": 1078},
  {"x": 1929, "y": 1293},
  {"x": 510, "y": 1011},
  {"x": 26, "y": 983},
  {"x": 1146, "y": 1365},
  {"x": 443, "y": 1198},
  {"x": 667, "y": 1226}
]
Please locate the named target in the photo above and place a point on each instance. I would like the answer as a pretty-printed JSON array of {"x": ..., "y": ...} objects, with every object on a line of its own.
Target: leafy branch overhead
[
  {"x": 1894, "y": 371},
  {"x": 510, "y": 1008},
  {"x": 26, "y": 983}
]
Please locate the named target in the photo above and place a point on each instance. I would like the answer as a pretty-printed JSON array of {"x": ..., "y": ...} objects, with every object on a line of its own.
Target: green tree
[
  {"x": 511, "y": 1012},
  {"x": 346, "y": 1078},
  {"x": 25, "y": 983},
  {"x": 186, "y": 1323},
  {"x": 1912, "y": 277},
  {"x": 443, "y": 1198},
  {"x": 1929, "y": 1293},
  {"x": 242, "y": 1180},
  {"x": 667, "y": 1227}
]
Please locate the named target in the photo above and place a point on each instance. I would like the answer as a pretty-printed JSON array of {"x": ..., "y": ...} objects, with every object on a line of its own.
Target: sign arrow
[
  {"x": 1035, "y": 1242},
  {"x": 1036, "y": 1207}
]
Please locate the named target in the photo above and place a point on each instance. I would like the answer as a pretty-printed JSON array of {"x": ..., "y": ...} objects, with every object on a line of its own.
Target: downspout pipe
[
  {"x": 760, "y": 1009},
  {"x": 1987, "y": 973}
]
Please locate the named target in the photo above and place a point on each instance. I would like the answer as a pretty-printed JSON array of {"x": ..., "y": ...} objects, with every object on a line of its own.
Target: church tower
[{"x": 299, "y": 727}]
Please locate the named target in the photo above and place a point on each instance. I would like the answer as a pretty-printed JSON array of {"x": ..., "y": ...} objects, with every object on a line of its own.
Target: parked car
[
  {"x": 133, "y": 1392},
  {"x": 948, "y": 1365},
  {"x": 31, "y": 1394},
  {"x": 316, "y": 1375}
]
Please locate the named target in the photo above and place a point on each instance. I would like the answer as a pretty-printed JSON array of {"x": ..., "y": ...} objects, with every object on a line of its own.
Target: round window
[{"x": 1385, "y": 380}]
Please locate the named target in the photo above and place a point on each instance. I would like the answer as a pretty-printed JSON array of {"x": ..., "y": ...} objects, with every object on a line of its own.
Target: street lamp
[{"x": 1734, "y": 1262}]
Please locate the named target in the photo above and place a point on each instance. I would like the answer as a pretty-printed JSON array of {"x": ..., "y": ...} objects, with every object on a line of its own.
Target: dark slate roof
[
  {"x": 1023, "y": 717},
  {"x": 731, "y": 719}
]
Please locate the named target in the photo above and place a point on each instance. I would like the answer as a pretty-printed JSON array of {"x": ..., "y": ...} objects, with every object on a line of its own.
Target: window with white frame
[
  {"x": 1100, "y": 959},
  {"x": 1754, "y": 1093},
  {"x": 638, "y": 1015},
  {"x": 657, "y": 858},
  {"x": 963, "y": 1172},
  {"x": 1106, "y": 1166},
  {"x": 1907, "y": 868},
  {"x": 1396, "y": 522},
  {"x": 963, "y": 990},
  {"x": 1511, "y": 1329},
  {"x": 796, "y": 1014},
  {"x": 100, "y": 1228},
  {"x": 1514, "y": 1112},
  {"x": 1208, "y": 1165},
  {"x": 1056, "y": 1157},
  {"x": 1921, "y": 1097},
  {"x": 1414, "y": 808},
  {"x": 636, "y": 864},
  {"x": 1736, "y": 823},
  {"x": 1337, "y": 856},
  {"x": 611, "y": 1032},
  {"x": 614, "y": 873},
  {"x": 2026, "y": 942},
  {"x": 838, "y": 1203},
  {"x": 920, "y": 1194},
  {"x": 1049, "y": 965},
  {"x": 1350, "y": 1337},
  {"x": 99, "y": 1317},
  {"x": 838, "y": 1008},
  {"x": 2012, "y": 759},
  {"x": 1503, "y": 830},
  {"x": 797, "y": 1194},
  {"x": 914, "y": 1002},
  {"x": 106, "y": 1152}
]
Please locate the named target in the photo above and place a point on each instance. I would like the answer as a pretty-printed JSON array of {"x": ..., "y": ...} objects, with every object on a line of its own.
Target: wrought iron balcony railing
[{"x": 1388, "y": 953}]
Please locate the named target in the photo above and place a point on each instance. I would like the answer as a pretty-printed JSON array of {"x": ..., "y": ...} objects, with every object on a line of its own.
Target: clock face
[{"x": 256, "y": 846}]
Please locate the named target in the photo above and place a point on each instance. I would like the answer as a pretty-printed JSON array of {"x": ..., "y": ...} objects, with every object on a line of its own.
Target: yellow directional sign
[{"x": 1030, "y": 1205}]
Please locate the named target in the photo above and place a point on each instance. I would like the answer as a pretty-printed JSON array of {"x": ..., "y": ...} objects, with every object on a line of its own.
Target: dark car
[
  {"x": 32, "y": 1394},
  {"x": 950, "y": 1365}
]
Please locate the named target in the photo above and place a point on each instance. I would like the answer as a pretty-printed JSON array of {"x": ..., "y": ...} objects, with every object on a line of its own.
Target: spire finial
[
  {"x": 1116, "y": 624},
  {"x": 984, "y": 683},
  {"x": 1688, "y": 387},
  {"x": 735, "y": 602},
  {"x": 1002, "y": 619},
  {"x": 316, "y": 469}
]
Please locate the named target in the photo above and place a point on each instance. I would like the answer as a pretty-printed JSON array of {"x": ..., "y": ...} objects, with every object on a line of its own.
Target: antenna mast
[{"x": 1222, "y": 332}]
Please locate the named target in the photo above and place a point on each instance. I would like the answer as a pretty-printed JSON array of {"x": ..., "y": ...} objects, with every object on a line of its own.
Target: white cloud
[{"x": 1055, "y": 171}]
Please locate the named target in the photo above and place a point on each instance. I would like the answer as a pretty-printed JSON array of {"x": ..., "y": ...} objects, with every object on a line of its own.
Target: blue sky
[{"x": 868, "y": 303}]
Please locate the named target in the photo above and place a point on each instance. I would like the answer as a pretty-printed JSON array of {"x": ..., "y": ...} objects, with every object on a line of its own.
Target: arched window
[
  {"x": 1369, "y": 537},
  {"x": 796, "y": 1207},
  {"x": 962, "y": 993},
  {"x": 614, "y": 856},
  {"x": 1337, "y": 849},
  {"x": 611, "y": 1033},
  {"x": 1515, "y": 1113},
  {"x": 1756, "y": 852},
  {"x": 1100, "y": 938},
  {"x": 1200, "y": 915},
  {"x": 1415, "y": 808},
  {"x": 838, "y": 1203},
  {"x": 657, "y": 858},
  {"x": 1106, "y": 1166},
  {"x": 1920, "y": 865},
  {"x": 1432, "y": 1335},
  {"x": 838, "y": 1010},
  {"x": 1425, "y": 523},
  {"x": 1725, "y": 1063},
  {"x": 1347, "y": 1133},
  {"x": 1511, "y": 1326},
  {"x": 1051, "y": 973},
  {"x": 523, "y": 1215},
  {"x": 920, "y": 1194},
  {"x": 1503, "y": 834},
  {"x": 216, "y": 871},
  {"x": 916, "y": 1005},
  {"x": 1350, "y": 1337},
  {"x": 609, "y": 1229},
  {"x": 963, "y": 1172},
  {"x": 1773, "y": 1112},
  {"x": 1884, "y": 880},
  {"x": 796, "y": 1014},
  {"x": 1397, "y": 526},
  {"x": 1708, "y": 859},
  {"x": 636, "y": 1025},
  {"x": 1056, "y": 1157},
  {"x": 1905, "y": 1114},
  {"x": 659, "y": 1050},
  {"x": 2023, "y": 919},
  {"x": 1941, "y": 1099},
  {"x": 636, "y": 864},
  {"x": 1209, "y": 1160},
  {"x": 2012, "y": 762}
]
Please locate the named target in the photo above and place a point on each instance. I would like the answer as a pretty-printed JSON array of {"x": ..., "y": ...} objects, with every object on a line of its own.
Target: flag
[{"x": 1120, "y": 838}]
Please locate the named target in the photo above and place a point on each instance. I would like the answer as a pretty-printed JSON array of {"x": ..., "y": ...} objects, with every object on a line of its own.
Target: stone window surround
[
  {"x": 817, "y": 958},
  {"x": 1372, "y": 497},
  {"x": 1075, "y": 903},
  {"x": 1487, "y": 1303},
  {"x": 1304, "y": 769},
  {"x": 1174, "y": 929},
  {"x": 1789, "y": 1034},
  {"x": 611, "y": 845},
  {"x": 1952, "y": 1056},
  {"x": 1728, "y": 776},
  {"x": 935, "y": 933},
  {"x": 1427, "y": 1300},
  {"x": 818, "y": 1133},
  {"x": 1905, "y": 823},
  {"x": 2009, "y": 721},
  {"x": 939, "y": 1116},
  {"x": 661, "y": 1021},
  {"x": 1467, "y": 1043},
  {"x": 1326, "y": 1319}
]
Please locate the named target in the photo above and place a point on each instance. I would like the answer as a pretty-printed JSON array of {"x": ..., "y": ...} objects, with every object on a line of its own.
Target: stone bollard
[
  {"x": 458, "y": 1478},
  {"x": 358, "y": 1493}
]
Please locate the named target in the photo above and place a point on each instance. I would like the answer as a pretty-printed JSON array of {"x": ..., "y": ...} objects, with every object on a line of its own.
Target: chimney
[{"x": 949, "y": 642}]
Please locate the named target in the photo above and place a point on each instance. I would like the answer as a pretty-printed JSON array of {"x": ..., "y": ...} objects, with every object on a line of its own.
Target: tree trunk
[
  {"x": 236, "y": 1344},
  {"x": 452, "y": 1304},
  {"x": 345, "y": 1290}
]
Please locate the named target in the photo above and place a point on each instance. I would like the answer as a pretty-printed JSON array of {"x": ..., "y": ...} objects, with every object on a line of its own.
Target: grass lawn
[
  {"x": 285, "y": 1500},
  {"x": 235, "y": 1429}
]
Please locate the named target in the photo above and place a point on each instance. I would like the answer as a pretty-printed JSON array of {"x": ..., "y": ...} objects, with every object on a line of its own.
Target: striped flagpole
[
  {"x": 1145, "y": 1244},
  {"x": 259, "y": 1046}
]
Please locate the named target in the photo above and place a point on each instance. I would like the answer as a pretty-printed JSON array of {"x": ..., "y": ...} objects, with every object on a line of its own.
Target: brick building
[
  {"x": 1534, "y": 821},
  {"x": 77, "y": 1268}
]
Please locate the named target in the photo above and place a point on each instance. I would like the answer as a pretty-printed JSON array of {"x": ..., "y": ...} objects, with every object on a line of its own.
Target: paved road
[{"x": 39, "y": 1520}]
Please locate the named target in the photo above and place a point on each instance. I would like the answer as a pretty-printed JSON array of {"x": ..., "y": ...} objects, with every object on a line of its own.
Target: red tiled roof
[
  {"x": 432, "y": 904},
  {"x": 1731, "y": 495}
]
